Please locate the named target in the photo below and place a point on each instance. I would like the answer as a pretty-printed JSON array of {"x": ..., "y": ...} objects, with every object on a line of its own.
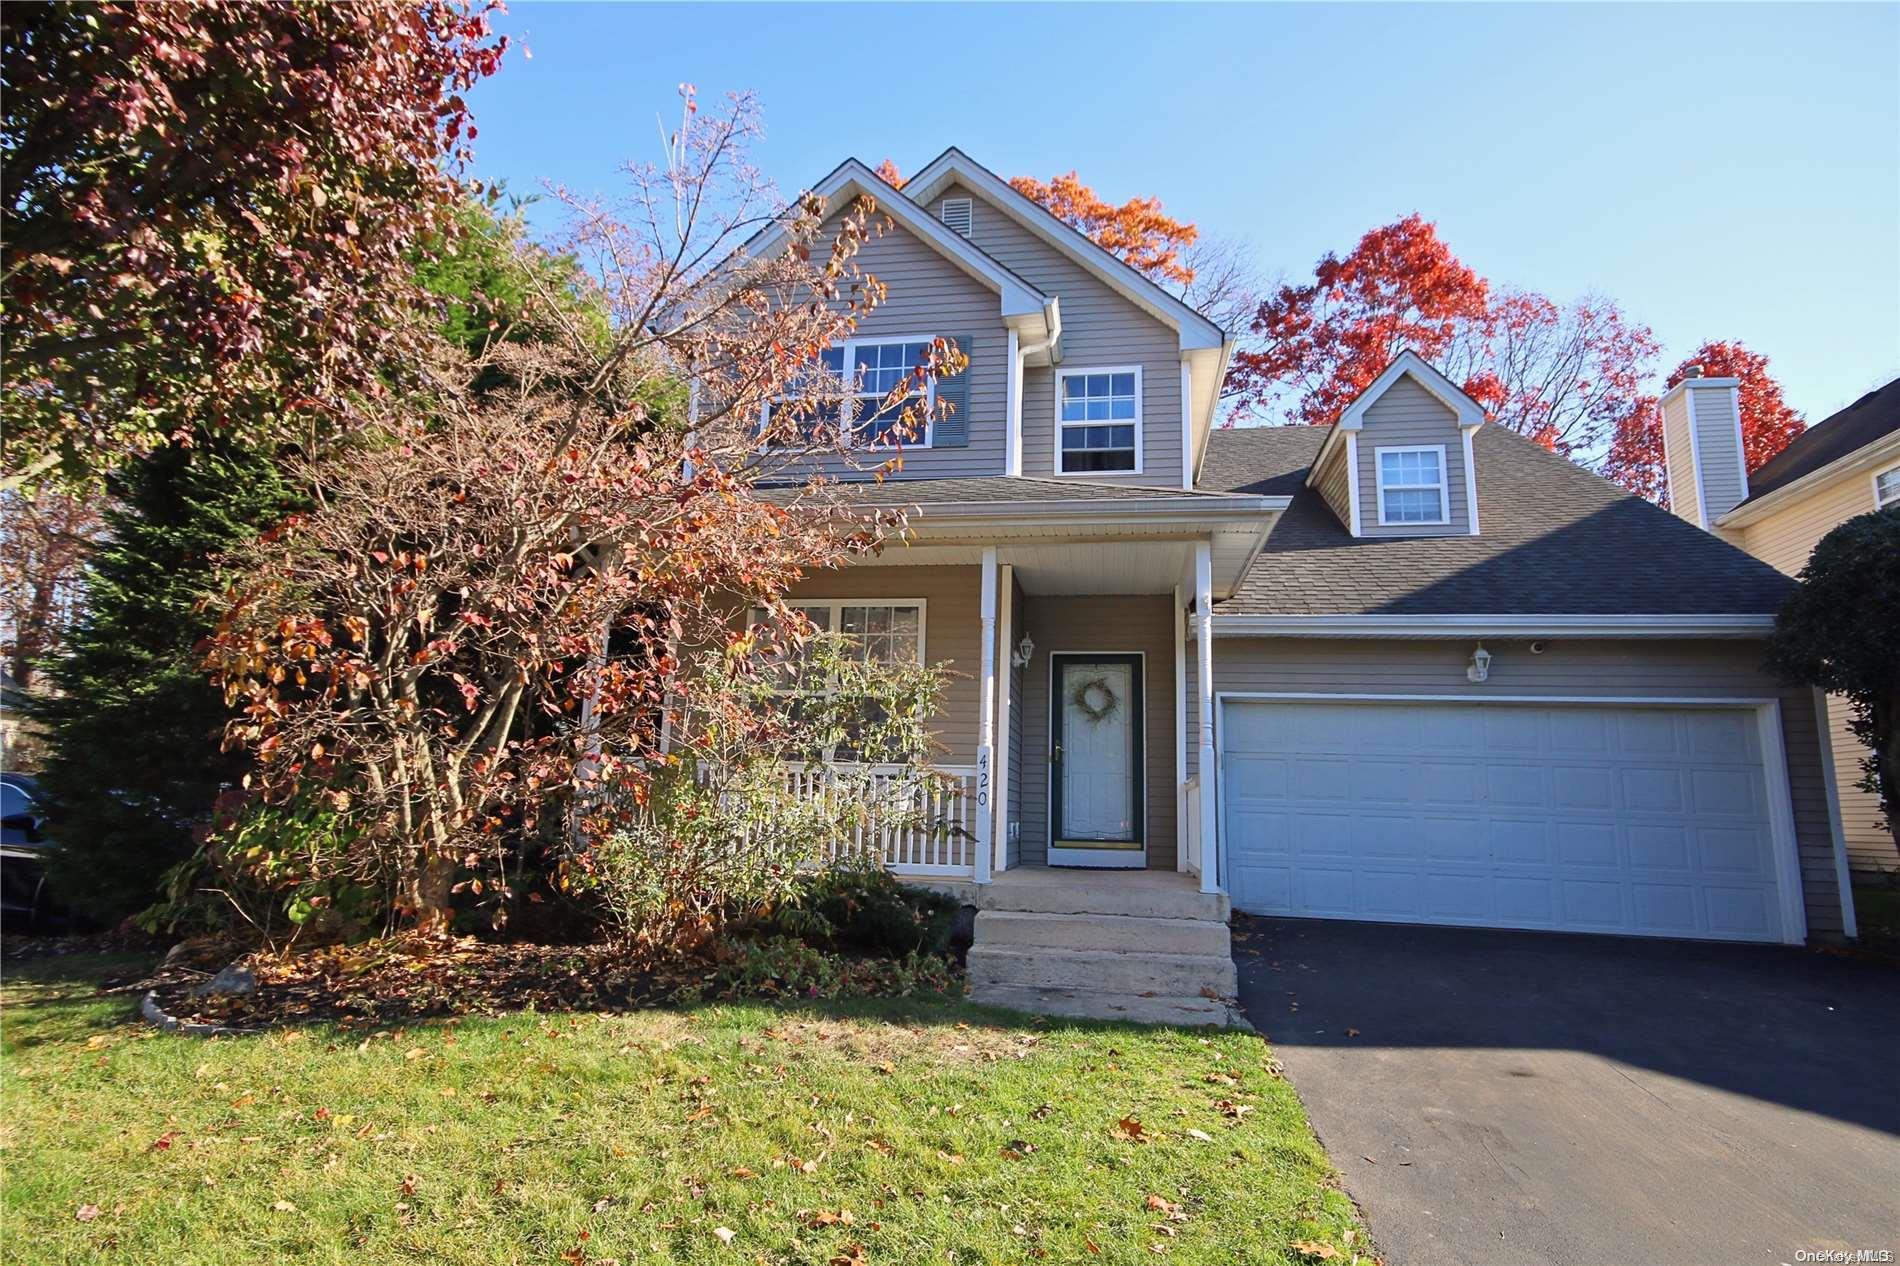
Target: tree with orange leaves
[{"x": 1137, "y": 232}]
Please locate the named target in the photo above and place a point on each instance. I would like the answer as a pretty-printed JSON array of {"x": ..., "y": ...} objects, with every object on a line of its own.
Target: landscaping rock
[{"x": 233, "y": 979}]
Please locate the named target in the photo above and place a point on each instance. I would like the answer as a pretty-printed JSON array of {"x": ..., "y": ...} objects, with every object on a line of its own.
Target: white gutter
[
  {"x": 1557, "y": 625},
  {"x": 1883, "y": 449},
  {"x": 1103, "y": 512}
]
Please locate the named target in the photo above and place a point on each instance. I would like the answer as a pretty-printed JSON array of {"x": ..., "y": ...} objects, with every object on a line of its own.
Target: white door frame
[
  {"x": 1118, "y": 858},
  {"x": 1774, "y": 756}
]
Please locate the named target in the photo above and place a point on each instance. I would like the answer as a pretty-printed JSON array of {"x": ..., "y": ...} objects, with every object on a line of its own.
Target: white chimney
[{"x": 1702, "y": 447}]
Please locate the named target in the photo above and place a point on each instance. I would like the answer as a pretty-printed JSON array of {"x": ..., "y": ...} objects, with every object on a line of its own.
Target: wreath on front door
[{"x": 1095, "y": 700}]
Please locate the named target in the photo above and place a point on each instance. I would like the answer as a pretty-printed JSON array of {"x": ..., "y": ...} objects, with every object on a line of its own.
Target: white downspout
[{"x": 1013, "y": 454}]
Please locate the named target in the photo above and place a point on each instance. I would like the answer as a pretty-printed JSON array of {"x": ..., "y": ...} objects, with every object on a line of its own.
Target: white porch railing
[
  {"x": 1191, "y": 815},
  {"x": 936, "y": 834}
]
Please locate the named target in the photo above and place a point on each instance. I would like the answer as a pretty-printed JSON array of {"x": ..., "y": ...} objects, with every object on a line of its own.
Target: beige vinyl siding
[
  {"x": 1100, "y": 329},
  {"x": 1725, "y": 669},
  {"x": 1718, "y": 449},
  {"x": 1678, "y": 459},
  {"x": 1333, "y": 486},
  {"x": 1064, "y": 625},
  {"x": 928, "y": 295},
  {"x": 1784, "y": 540},
  {"x": 953, "y": 634},
  {"x": 1407, "y": 415}
]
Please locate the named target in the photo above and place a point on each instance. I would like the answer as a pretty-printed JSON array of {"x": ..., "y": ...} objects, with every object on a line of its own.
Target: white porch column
[
  {"x": 986, "y": 727},
  {"x": 1005, "y": 641},
  {"x": 1180, "y": 733},
  {"x": 1212, "y": 867}
]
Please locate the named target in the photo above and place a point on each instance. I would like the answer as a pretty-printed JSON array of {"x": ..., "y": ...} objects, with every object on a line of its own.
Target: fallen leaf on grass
[
  {"x": 1130, "y": 1128},
  {"x": 1312, "y": 1250},
  {"x": 740, "y": 1171},
  {"x": 87, "y": 1212},
  {"x": 724, "y": 1234},
  {"x": 1202, "y": 1135},
  {"x": 824, "y": 1218},
  {"x": 850, "y": 1255},
  {"x": 283, "y": 1206},
  {"x": 163, "y": 1143},
  {"x": 1016, "y": 1149}
]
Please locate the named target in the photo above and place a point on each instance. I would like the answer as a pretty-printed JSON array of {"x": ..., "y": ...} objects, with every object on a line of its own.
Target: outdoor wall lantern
[
  {"x": 1024, "y": 649},
  {"x": 1480, "y": 667}
]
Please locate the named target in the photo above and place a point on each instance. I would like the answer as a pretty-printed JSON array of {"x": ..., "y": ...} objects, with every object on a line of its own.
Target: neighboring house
[
  {"x": 1404, "y": 668},
  {"x": 1837, "y": 469}
]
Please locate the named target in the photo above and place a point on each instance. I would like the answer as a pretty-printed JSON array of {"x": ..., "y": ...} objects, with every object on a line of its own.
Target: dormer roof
[{"x": 1407, "y": 364}]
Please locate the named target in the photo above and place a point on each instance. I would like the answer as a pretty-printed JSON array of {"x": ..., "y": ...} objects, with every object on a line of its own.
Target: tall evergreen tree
[{"x": 134, "y": 725}]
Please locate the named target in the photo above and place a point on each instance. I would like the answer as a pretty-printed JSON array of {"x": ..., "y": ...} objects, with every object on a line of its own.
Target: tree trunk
[{"x": 430, "y": 892}]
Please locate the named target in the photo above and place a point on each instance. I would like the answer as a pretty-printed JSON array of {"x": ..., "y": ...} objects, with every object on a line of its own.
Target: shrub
[
  {"x": 859, "y": 905},
  {"x": 785, "y": 967}
]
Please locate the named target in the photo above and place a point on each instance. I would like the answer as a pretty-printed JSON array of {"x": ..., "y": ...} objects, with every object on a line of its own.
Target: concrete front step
[
  {"x": 1142, "y": 894},
  {"x": 1091, "y": 1004},
  {"x": 1124, "y": 972},
  {"x": 1000, "y": 928}
]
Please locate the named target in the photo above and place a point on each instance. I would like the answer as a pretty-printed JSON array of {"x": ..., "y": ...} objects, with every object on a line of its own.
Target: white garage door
[{"x": 1637, "y": 820}]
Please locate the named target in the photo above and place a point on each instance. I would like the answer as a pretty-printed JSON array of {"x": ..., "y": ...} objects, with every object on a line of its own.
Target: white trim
[
  {"x": 1112, "y": 858},
  {"x": 1443, "y": 485},
  {"x": 837, "y": 604},
  {"x": 1194, "y": 330},
  {"x": 1352, "y": 482},
  {"x": 851, "y": 178},
  {"x": 1068, "y": 371},
  {"x": 1695, "y": 462},
  {"x": 1471, "y": 477},
  {"x": 986, "y": 722},
  {"x": 1850, "y": 923},
  {"x": 1013, "y": 387},
  {"x": 1207, "y": 762},
  {"x": 1794, "y": 918},
  {"x": 1187, "y": 426},
  {"x": 1557, "y": 625},
  {"x": 1741, "y": 450},
  {"x": 1180, "y": 731},
  {"x": 1867, "y": 456},
  {"x": 1005, "y": 701},
  {"x": 1874, "y": 479},
  {"x": 1409, "y": 363}
]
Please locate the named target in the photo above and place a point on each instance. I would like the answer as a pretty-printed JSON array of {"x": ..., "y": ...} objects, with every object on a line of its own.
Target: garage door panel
[{"x": 1649, "y": 821}]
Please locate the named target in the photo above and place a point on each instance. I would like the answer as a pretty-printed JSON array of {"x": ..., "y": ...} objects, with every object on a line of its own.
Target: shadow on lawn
[{"x": 1811, "y": 1030}]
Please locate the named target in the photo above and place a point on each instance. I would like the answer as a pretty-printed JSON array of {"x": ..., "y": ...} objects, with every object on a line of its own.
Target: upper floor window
[
  {"x": 1887, "y": 488},
  {"x": 1098, "y": 420},
  {"x": 1412, "y": 484},
  {"x": 878, "y": 367}
]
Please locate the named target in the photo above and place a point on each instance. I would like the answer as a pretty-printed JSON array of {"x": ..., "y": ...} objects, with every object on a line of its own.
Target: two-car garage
[{"x": 1623, "y": 817}]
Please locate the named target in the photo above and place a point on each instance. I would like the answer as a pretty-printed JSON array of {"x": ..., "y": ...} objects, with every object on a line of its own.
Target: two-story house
[
  {"x": 1406, "y": 667},
  {"x": 1846, "y": 465}
]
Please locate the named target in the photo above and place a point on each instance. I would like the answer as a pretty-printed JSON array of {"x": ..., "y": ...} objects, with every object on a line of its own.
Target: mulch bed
[{"x": 416, "y": 977}]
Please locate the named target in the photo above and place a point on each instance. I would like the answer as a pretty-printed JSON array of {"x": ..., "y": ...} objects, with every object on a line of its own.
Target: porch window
[
  {"x": 881, "y": 632},
  {"x": 1412, "y": 484},
  {"x": 1098, "y": 420}
]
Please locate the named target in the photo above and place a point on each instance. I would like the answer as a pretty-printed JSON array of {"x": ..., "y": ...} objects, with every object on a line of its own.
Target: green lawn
[{"x": 889, "y": 1132}]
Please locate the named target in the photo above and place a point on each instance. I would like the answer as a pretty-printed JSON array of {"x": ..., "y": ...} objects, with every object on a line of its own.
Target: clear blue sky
[{"x": 1721, "y": 171}]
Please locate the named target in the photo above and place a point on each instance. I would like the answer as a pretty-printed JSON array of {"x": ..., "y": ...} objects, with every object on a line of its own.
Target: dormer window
[
  {"x": 956, "y": 214},
  {"x": 1412, "y": 485}
]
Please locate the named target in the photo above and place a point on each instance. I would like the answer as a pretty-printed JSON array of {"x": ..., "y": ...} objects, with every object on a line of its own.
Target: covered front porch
[{"x": 1080, "y": 710}]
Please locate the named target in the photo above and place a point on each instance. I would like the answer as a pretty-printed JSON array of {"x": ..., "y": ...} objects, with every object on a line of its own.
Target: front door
[{"x": 1096, "y": 761}]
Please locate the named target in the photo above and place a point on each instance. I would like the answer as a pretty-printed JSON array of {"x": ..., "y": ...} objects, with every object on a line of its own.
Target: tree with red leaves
[
  {"x": 1769, "y": 423},
  {"x": 211, "y": 212},
  {"x": 1564, "y": 375}
]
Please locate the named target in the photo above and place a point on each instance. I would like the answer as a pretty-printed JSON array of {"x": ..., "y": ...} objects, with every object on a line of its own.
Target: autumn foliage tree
[
  {"x": 488, "y": 607},
  {"x": 1769, "y": 423},
  {"x": 1137, "y": 231},
  {"x": 209, "y": 213}
]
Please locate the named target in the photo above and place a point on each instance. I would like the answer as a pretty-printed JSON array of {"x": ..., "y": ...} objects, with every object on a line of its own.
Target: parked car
[{"x": 24, "y": 902}]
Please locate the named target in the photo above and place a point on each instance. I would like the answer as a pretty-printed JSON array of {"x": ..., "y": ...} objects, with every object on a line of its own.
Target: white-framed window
[
  {"x": 1098, "y": 420},
  {"x": 1412, "y": 484},
  {"x": 884, "y": 630},
  {"x": 1887, "y": 488},
  {"x": 865, "y": 371}
]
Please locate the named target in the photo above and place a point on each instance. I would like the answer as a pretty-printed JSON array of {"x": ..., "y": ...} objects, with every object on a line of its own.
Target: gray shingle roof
[
  {"x": 1861, "y": 423},
  {"x": 982, "y": 489},
  {"x": 1554, "y": 539}
]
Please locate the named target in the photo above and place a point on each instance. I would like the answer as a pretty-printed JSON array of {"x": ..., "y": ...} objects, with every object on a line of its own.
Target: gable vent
[{"x": 955, "y": 214}]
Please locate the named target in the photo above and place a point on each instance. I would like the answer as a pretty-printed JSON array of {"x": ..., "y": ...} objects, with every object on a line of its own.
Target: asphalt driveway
[{"x": 1522, "y": 1097}]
